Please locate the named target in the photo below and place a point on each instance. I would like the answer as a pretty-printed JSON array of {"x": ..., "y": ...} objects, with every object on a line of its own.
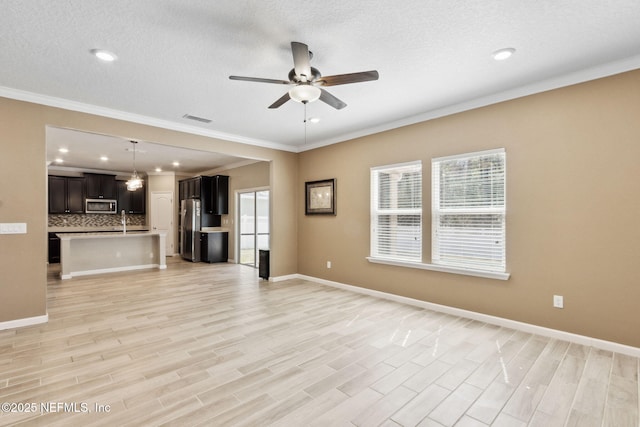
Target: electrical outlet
[
  {"x": 328, "y": 264},
  {"x": 558, "y": 301}
]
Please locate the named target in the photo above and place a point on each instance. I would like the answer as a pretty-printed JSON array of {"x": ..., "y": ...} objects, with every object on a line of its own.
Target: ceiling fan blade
[
  {"x": 301, "y": 59},
  {"x": 280, "y": 101},
  {"x": 327, "y": 98},
  {"x": 343, "y": 79},
  {"x": 260, "y": 80}
]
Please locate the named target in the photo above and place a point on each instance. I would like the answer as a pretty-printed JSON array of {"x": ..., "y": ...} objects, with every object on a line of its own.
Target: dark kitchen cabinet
[
  {"x": 194, "y": 188},
  {"x": 214, "y": 246},
  {"x": 213, "y": 192},
  {"x": 190, "y": 188},
  {"x": 220, "y": 195},
  {"x": 132, "y": 202},
  {"x": 100, "y": 186},
  {"x": 54, "y": 248},
  {"x": 138, "y": 200},
  {"x": 66, "y": 195}
]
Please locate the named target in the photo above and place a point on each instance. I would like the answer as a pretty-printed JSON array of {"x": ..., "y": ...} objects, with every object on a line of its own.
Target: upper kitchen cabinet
[
  {"x": 190, "y": 188},
  {"x": 132, "y": 202},
  {"x": 66, "y": 195},
  {"x": 100, "y": 186},
  {"x": 220, "y": 195},
  {"x": 213, "y": 191}
]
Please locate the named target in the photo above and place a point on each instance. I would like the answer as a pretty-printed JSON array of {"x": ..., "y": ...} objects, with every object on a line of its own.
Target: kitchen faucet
[{"x": 124, "y": 222}]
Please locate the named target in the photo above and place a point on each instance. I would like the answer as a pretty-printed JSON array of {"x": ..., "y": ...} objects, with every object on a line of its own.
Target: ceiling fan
[{"x": 306, "y": 80}]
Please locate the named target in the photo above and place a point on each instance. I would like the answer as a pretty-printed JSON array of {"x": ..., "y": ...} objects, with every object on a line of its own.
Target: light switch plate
[{"x": 13, "y": 228}]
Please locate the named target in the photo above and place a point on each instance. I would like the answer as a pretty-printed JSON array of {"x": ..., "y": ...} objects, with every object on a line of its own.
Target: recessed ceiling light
[
  {"x": 502, "y": 54},
  {"x": 176, "y": 164},
  {"x": 158, "y": 169},
  {"x": 63, "y": 150},
  {"x": 59, "y": 160},
  {"x": 104, "y": 158},
  {"x": 104, "y": 55},
  {"x": 314, "y": 119}
]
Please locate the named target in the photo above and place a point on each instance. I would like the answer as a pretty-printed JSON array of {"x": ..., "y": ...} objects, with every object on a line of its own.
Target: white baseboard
[
  {"x": 291, "y": 277},
  {"x": 494, "y": 320},
  {"x": 20, "y": 323}
]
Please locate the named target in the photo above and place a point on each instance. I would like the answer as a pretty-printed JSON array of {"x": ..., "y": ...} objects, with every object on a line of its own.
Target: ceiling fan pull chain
[{"x": 305, "y": 123}]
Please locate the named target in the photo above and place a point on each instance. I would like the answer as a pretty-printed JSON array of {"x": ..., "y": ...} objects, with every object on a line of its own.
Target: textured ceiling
[{"x": 434, "y": 58}]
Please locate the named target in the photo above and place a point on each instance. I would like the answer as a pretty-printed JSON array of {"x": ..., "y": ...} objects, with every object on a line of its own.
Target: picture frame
[{"x": 320, "y": 197}]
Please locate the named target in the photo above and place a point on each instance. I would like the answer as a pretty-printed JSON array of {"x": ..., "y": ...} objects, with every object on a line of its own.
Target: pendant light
[{"x": 135, "y": 181}]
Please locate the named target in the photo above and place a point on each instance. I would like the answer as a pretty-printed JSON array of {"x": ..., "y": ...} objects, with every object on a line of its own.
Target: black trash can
[{"x": 263, "y": 265}]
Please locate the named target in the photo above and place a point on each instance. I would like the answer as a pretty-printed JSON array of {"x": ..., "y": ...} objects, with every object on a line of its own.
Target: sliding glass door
[{"x": 253, "y": 218}]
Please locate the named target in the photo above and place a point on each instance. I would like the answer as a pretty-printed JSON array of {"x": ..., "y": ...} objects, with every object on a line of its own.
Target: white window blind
[
  {"x": 468, "y": 211},
  {"x": 396, "y": 212}
]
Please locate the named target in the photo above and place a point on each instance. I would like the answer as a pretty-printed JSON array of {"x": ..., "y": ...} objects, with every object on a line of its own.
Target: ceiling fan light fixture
[{"x": 305, "y": 93}]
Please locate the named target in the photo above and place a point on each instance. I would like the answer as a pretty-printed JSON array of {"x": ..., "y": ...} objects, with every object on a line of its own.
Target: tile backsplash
[{"x": 94, "y": 220}]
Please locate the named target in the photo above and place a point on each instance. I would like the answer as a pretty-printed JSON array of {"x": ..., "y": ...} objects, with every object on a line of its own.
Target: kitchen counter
[
  {"x": 96, "y": 229},
  {"x": 102, "y": 234},
  {"x": 214, "y": 230},
  {"x": 107, "y": 252}
]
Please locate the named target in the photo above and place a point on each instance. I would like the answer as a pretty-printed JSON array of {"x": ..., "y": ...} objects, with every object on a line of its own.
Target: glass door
[{"x": 254, "y": 225}]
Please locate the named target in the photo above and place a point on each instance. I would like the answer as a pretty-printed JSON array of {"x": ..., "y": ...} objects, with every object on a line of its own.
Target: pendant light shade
[{"x": 135, "y": 181}]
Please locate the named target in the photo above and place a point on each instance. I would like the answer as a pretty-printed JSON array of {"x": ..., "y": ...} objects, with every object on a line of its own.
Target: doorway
[
  {"x": 162, "y": 217},
  {"x": 253, "y": 218}
]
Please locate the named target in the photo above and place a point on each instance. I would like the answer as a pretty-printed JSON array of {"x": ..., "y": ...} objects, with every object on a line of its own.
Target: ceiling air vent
[{"x": 196, "y": 118}]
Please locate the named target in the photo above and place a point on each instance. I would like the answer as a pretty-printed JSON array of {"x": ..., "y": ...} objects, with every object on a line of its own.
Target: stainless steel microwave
[{"x": 102, "y": 206}]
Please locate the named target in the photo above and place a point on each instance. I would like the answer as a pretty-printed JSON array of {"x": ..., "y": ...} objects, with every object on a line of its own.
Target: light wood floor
[{"x": 212, "y": 345}]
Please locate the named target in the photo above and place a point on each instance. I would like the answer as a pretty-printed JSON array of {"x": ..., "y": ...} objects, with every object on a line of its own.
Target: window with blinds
[
  {"x": 468, "y": 211},
  {"x": 396, "y": 212}
]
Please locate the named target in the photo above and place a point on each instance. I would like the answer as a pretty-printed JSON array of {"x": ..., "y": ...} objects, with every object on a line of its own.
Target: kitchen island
[{"x": 97, "y": 253}]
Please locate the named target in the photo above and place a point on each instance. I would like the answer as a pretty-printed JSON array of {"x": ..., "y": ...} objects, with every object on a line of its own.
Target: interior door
[{"x": 162, "y": 217}]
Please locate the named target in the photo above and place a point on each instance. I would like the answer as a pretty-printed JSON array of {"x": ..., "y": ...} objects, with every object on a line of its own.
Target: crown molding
[
  {"x": 66, "y": 104},
  {"x": 568, "y": 79}
]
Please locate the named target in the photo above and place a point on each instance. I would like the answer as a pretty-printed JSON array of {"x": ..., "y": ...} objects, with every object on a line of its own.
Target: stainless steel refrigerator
[{"x": 189, "y": 225}]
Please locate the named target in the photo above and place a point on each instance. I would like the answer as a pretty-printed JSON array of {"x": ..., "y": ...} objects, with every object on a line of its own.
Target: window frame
[
  {"x": 375, "y": 259},
  {"x": 377, "y": 212},
  {"x": 489, "y": 210}
]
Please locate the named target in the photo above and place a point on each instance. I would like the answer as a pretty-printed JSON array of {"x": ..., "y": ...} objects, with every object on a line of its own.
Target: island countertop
[
  {"x": 85, "y": 229},
  {"x": 107, "y": 234}
]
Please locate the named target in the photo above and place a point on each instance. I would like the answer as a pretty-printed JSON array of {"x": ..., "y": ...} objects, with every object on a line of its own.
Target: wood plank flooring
[{"x": 212, "y": 345}]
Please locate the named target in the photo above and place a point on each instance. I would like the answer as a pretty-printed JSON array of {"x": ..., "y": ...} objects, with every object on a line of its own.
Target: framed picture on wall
[{"x": 320, "y": 197}]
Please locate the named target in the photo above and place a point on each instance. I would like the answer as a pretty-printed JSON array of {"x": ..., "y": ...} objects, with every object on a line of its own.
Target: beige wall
[
  {"x": 161, "y": 182},
  {"x": 252, "y": 176},
  {"x": 573, "y": 200},
  {"x": 22, "y": 140},
  {"x": 22, "y": 256}
]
